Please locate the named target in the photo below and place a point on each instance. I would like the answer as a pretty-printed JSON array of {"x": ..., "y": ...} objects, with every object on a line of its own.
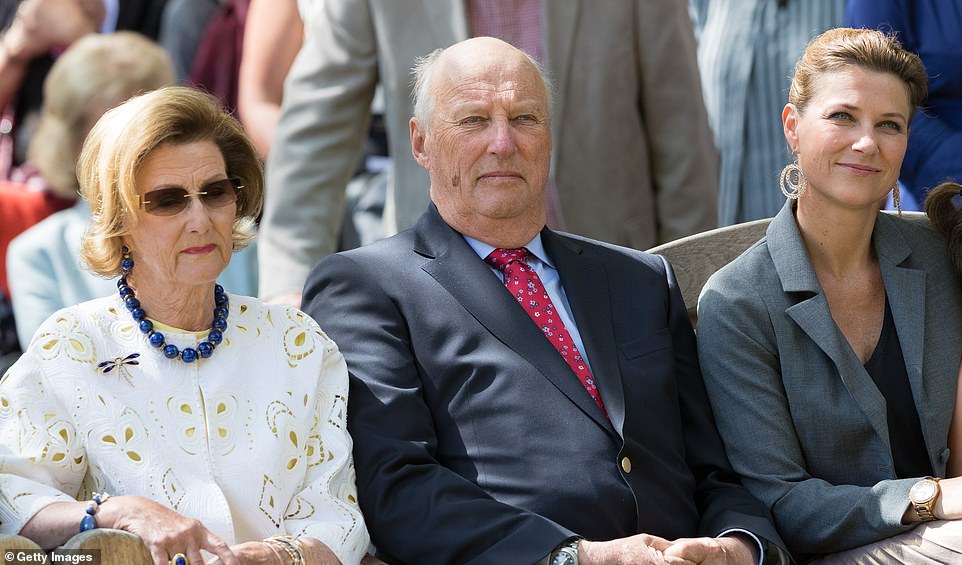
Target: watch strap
[
  {"x": 925, "y": 510},
  {"x": 566, "y": 553}
]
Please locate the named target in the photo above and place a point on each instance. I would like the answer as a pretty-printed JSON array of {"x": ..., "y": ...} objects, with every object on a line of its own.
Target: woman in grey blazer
[{"x": 811, "y": 342}]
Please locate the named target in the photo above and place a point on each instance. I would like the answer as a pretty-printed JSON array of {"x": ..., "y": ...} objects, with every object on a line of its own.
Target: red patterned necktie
[{"x": 526, "y": 286}]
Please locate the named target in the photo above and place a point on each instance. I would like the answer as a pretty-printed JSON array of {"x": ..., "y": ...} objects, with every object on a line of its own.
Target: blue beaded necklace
[{"x": 204, "y": 349}]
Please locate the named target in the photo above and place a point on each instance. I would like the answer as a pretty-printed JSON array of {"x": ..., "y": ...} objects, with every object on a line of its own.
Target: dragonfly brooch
[{"x": 120, "y": 364}]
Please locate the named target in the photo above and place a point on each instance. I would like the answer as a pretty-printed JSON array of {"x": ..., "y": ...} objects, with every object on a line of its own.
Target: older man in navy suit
[{"x": 520, "y": 395}]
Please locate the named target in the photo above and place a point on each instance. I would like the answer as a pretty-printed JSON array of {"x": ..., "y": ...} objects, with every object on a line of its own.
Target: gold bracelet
[
  {"x": 273, "y": 548},
  {"x": 291, "y": 546},
  {"x": 275, "y": 544}
]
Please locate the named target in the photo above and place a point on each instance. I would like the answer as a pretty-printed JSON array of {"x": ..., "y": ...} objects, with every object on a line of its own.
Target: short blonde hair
[
  {"x": 125, "y": 136},
  {"x": 838, "y": 48},
  {"x": 95, "y": 73}
]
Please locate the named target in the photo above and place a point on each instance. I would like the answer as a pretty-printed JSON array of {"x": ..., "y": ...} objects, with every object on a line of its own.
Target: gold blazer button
[{"x": 626, "y": 464}]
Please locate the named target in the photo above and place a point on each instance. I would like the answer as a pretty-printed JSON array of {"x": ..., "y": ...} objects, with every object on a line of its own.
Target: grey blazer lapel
[
  {"x": 815, "y": 319},
  {"x": 448, "y": 19},
  {"x": 905, "y": 287},
  {"x": 458, "y": 269},
  {"x": 585, "y": 283}
]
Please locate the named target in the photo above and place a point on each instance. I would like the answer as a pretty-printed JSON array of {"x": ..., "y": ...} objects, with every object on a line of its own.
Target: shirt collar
[{"x": 534, "y": 247}]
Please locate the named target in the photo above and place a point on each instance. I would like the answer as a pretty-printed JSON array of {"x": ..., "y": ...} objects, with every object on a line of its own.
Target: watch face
[{"x": 923, "y": 491}]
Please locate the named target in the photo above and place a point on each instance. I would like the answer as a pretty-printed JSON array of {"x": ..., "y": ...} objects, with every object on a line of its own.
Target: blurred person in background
[
  {"x": 746, "y": 52},
  {"x": 182, "y": 28},
  {"x": 35, "y": 33},
  {"x": 929, "y": 28},
  {"x": 273, "y": 35}
]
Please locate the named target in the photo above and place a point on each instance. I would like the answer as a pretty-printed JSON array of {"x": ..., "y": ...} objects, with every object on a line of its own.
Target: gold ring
[{"x": 179, "y": 559}]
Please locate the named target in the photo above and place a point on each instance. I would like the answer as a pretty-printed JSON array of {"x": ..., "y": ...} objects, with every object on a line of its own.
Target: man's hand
[
  {"x": 642, "y": 549},
  {"x": 725, "y": 550}
]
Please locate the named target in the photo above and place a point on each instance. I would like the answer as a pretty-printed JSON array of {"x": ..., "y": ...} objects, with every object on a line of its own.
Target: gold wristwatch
[{"x": 923, "y": 497}]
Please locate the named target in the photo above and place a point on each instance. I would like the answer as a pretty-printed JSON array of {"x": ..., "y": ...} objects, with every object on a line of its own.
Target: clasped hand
[{"x": 653, "y": 550}]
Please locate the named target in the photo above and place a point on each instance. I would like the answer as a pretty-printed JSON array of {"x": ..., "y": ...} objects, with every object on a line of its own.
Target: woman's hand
[
  {"x": 316, "y": 552},
  {"x": 949, "y": 504},
  {"x": 165, "y": 532},
  {"x": 264, "y": 553},
  {"x": 255, "y": 553}
]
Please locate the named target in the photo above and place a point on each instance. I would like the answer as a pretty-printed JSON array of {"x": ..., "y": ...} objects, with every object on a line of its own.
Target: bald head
[
  {"x": 482, "y": 130},
  {"x": 463, "y": 59}
]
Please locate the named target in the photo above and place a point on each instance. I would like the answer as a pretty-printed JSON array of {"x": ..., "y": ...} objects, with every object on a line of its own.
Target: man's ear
[
  {"x": 790, "y": 126},
  {"x": 417, "y": 143}
]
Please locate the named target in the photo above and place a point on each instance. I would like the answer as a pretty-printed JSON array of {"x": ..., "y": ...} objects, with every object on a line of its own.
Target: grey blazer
[
  {"x": 633, "y": 159},
  {"x": 802, "y": 421}
]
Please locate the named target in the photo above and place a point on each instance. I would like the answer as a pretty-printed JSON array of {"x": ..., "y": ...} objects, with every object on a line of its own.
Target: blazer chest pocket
[
  {"x": 646, "y": 345},
  {"x": 647, "y": 367}
]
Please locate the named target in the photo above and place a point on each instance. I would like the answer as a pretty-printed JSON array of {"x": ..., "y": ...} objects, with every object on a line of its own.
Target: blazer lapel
[
  {"x": 815, "y": 319},
  {"x": 905, "y": 287},
  {"x": 585, "y": 283},
  {"x": 448, "y": 20},
  {"x": 462, "y": 273}
]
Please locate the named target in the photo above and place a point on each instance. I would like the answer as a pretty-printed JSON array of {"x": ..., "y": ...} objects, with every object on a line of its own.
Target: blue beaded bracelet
[{"x": 88, "y": 522}]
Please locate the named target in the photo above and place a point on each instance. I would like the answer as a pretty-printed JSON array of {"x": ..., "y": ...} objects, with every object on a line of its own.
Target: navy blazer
[{"x": 474, "y": 440}]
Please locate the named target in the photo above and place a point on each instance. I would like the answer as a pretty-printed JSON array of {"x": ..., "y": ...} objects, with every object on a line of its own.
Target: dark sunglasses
[{"x": 174, "y": 200}]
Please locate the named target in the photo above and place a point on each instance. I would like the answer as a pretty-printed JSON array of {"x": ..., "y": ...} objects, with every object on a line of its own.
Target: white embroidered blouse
[{"x": 252, "y": 441}]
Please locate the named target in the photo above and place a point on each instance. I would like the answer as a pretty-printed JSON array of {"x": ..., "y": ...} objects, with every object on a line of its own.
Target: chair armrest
[
  {"x": 11, "y": 542},
  {"x": 116, "y": 547}
]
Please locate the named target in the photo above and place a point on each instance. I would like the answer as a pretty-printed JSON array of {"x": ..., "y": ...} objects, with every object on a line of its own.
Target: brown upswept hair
[
  {"x": 947, "y": 219},
  {"x": 842, "y": 47},
  {"x": 121, "y": 140},
  {"x": 96, "y": 72}
]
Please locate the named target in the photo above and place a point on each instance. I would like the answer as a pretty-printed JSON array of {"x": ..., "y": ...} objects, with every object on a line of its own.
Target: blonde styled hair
[
  {"x": 123, "y": 138},
  {"x": 842, "y": 47},
  {"x": 95, "y": 73}
]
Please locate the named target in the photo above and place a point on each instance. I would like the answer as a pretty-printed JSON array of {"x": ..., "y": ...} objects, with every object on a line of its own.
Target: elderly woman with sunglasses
[{"x": 215, "y": 422}]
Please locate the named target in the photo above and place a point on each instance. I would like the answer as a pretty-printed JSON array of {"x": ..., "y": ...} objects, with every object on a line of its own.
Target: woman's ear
[{"x": 790, "y": 126}]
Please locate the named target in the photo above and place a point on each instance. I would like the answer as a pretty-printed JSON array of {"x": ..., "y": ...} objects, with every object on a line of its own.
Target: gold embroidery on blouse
[
  {"x": 281, "y": 422},
  {"x": 300, "y": 338},
  {"x": 172, "y": 488},
  {"x": 220, "y": 422},
  {"x": 268, "y": 501},
  {"x": 299, "y": 509},
  {"x": 188, "y": 437},
  {"x": 66, "y": 339}
]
